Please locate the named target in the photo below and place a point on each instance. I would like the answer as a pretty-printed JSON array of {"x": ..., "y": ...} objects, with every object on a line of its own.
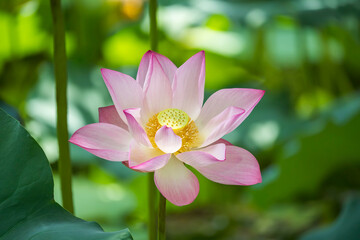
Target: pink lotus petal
[
  {"x": 153, "y": 164},
  {"x": 110, "y": 115},
  {"x": 167, "y": 140},
  {"x": 239, "y": 168},
  {"x": 188, "y": 85},
  {"x": 177, "y": 183},
  {"x": 168, "y": 67},
  {"x": 222, "y": 124},
  {"x": 204, "y": 156},
  {"x": 221, "y": 140},
  {"x": 237, "y": 97},
  {"x": 136, "y": 130},
  {"x": 124, "y": 90},
  {"x": 139, "y": 153},
  {"x": 143, "y": 68},
  {"x": 146, "y": 159},
  {"x": 158, "y": 93},
  {"x": 103, "y": 140},
  {"x": 126, "y": 164}
]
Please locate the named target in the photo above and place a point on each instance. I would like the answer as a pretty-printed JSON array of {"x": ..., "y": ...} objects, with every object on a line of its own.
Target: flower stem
[
  {"x": 153, "y": 25},
  {"x": 61, "y": 102},
  {"x": 162, "y": 217},
  {"x": 151, "y": 185},
  {"x": 152, "y": 207}
]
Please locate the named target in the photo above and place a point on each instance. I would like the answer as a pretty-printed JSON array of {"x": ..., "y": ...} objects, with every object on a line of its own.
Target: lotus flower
[{"x": 158, "y": 123}]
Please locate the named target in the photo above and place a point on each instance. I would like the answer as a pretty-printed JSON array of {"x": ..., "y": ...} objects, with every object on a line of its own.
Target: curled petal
[
  {"x": 124, "y": 90},
  {"x": 177, "y": 183},
  {"x": 168, "y": 67},
  {"x": 103, "y": 140},
  {"x": 204, "y": 156},
  {"x": 236, "y": 97},
  {"x": 222, "y": 124},
  {"x": 188, "y": 85},
  {"x": 167, "y": 140},
  {"x": 136, "y": 130},
  {"x": 110, "y": 115},
  {"x": 239, "y": 168},
  {"x": 146, "y": 159}
]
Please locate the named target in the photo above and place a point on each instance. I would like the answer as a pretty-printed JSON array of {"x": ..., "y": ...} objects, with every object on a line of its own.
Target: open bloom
[{"x": 158, "y": 123}]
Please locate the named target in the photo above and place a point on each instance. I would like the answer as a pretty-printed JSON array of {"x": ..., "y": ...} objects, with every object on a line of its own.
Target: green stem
[
  {"x": 162, "y": 217},
  {"x": 61, "y": 104},
  {"x": 151, "y": 185},
  {"x": 152, "y": 207},
  {"x": 153, "y": 25}
]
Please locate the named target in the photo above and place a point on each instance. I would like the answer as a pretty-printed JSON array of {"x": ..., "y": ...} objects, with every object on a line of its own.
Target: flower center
[
  {"x": 181, "y": 124},
  {"x": 174, "y": 118}
]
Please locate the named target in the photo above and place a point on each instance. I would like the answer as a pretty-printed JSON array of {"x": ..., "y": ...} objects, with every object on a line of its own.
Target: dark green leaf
[{"x": 27, "y": 207}]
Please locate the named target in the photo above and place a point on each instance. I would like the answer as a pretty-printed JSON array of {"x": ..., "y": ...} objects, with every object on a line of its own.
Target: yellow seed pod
[{"x": 174, "y": 118}]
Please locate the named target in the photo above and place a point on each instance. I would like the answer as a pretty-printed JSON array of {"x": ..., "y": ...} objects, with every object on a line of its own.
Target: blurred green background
[{"x": 304, "y": 132}]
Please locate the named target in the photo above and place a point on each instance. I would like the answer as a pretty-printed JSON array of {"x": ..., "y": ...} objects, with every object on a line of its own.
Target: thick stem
[
  {"x": 153, "y": 25},
  {"x": 61, "y": 102},
  {"x": 162, "y": 218},
  {"x": 152, "y": 207}
]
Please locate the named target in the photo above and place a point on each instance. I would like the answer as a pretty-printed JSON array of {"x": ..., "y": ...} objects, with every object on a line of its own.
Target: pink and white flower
[{"x": 158, "y": 123}]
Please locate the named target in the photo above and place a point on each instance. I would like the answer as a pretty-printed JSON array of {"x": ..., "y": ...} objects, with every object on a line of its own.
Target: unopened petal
[{"x": 177, "y": 183}]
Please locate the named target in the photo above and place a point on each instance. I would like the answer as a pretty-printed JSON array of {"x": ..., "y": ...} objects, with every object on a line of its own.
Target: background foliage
[{"x": 304, "y": 132}]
